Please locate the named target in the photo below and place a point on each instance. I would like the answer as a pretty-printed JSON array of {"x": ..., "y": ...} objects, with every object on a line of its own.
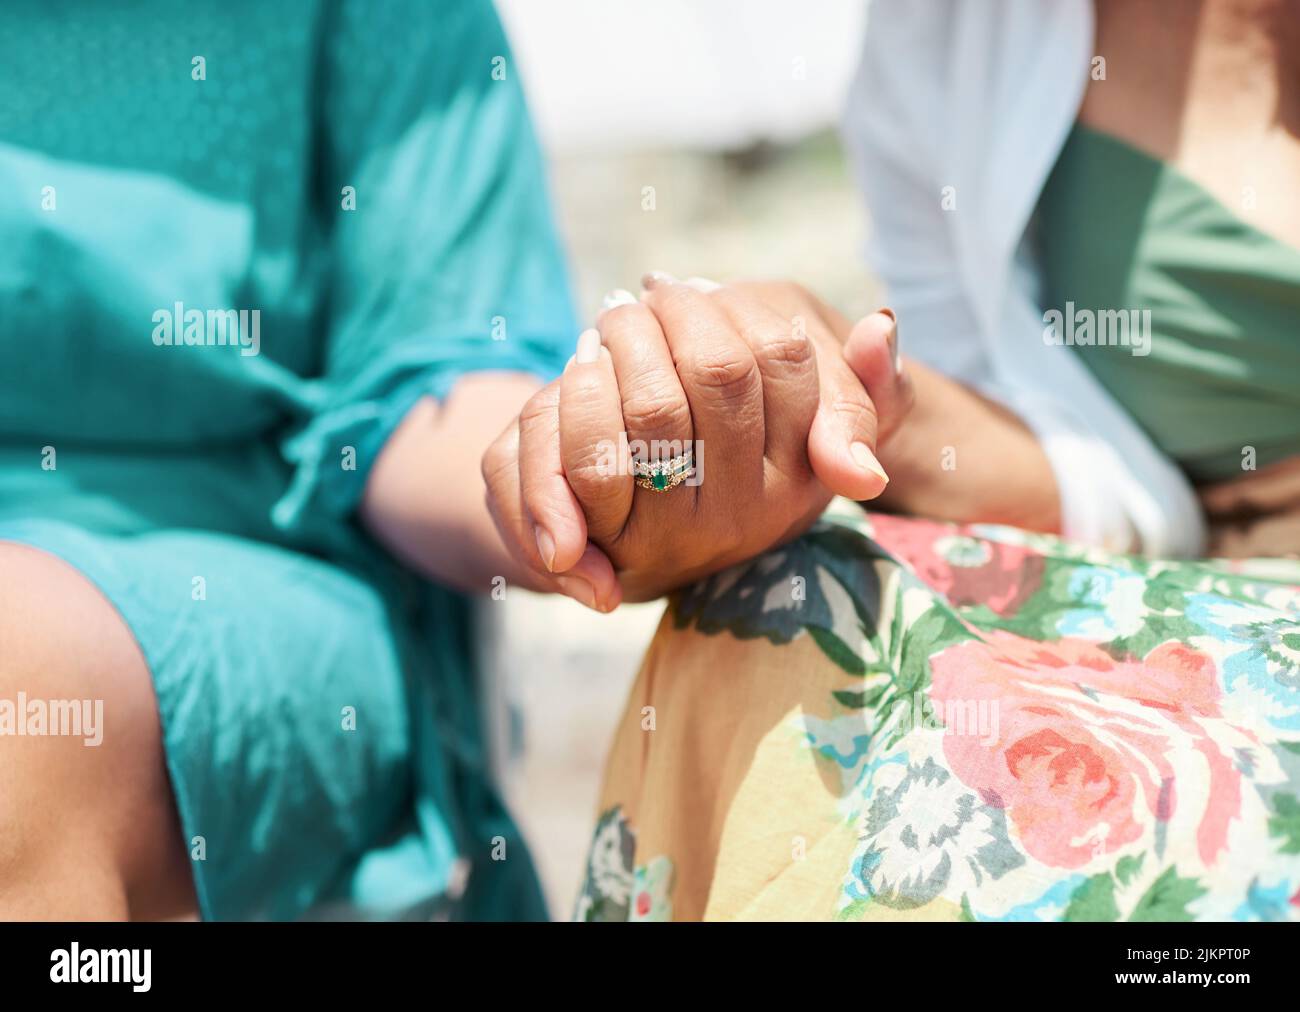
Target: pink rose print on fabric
[
  {"x": 965, "y": 569},
  {"x": 1093, "y": 754}
]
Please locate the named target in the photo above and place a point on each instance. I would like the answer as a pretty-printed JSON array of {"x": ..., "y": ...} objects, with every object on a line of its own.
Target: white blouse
[{"x": 955, "y": 119}]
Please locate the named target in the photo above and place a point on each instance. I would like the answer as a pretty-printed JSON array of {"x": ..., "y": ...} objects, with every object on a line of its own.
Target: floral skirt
[{"x": 896, "y": 719}]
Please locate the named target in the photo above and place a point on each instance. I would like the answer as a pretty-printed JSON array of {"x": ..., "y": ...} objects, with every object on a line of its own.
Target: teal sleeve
[{"x": 449, "y": 262}]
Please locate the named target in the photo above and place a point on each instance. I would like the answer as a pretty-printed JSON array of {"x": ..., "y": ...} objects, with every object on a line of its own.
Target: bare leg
[{"x": 85, "y": 832}]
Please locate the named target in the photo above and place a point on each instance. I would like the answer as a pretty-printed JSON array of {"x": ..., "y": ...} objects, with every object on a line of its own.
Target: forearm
[
  {"x": 956, "y": 455},
  {"x": 425, "y": 497},
  {"x": 959, "y": 456}
]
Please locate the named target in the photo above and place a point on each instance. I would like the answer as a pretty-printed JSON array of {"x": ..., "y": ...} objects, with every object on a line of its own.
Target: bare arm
[
  {"x": 958, "y": 456},
  {"x": 425, "y": 497},
  {"x": 954, "y": 455},
  {"x": 962, "y": 457}
]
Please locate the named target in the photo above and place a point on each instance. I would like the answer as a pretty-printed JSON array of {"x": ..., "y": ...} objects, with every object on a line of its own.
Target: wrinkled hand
[{"x": 754, "y": 377}]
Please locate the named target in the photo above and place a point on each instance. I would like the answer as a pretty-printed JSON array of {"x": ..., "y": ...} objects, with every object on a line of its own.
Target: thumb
[{"x": 872, "y": 352}]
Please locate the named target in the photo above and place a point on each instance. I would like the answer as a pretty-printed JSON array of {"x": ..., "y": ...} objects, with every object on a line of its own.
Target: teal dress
[{"x": 241, "y": 240}]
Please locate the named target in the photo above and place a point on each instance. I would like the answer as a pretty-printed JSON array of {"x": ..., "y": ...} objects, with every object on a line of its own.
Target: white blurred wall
[{"x": 607, "y": 74}]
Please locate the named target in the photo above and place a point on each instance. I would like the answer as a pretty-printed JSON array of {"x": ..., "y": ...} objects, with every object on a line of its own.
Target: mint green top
[{"x": 1121, "y": 230}]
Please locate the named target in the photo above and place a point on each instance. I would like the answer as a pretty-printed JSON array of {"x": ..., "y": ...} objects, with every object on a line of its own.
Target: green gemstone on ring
[{"x": 659, "y": 480}]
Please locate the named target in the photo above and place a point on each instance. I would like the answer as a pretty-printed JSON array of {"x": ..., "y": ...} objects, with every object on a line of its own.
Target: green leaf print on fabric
[
  {"x": 825, "y": 580},
  {"x": 1128, "y": 867},
  {"x": 932, "y": 633},
  {"x": 1156, "y": 630},
  {"x": 1040, "y": 613},
  {"x": 615, "y": 890},
  {"x": 1094, "y": 900},
  {"x": 1127, "y": 606},
  {"x": 837, "y": 650},
  {"x": 1144, "y": 720},
  {"x": 860, "y": 700},
  {"x": 1286, "y": 824},
  {"x": 1167, "y": 899},
  {"x": 606, "y": 893},
  {"x": 935, "y": 631}
]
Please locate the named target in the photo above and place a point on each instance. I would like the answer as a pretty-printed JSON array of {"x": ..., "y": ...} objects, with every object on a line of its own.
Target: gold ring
[{"x": 662, "y": 475}]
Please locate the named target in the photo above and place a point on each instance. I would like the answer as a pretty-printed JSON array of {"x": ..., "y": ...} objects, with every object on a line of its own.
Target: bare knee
[{"x": 86, "y": 809}]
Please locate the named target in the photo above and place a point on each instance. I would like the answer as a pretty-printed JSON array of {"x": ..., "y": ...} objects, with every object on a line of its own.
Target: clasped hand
[{"x": 782, "y": 399}]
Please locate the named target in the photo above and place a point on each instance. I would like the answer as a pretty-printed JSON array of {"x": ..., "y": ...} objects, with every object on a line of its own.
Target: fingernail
[
  {"x": 866, "y": 460},
  {"x": 588, "y": 346},
  {"x": 649, "y": 281},
  {"x": 545, "y": 545},
  {"x": 893, "y": 340},
  {"x": 578, "y": 589},
  {"x": 702, "y": 284},
  {"x": 618, "y": 297}
]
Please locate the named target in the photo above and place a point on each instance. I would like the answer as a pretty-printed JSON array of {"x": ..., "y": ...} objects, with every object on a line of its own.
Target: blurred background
[{"x": 698, "y": 139}]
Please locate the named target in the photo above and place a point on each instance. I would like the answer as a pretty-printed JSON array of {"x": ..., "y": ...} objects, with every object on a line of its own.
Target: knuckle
[
  {"x": 790, "y": 348},
  {"x": 542, "y": 408},
  {"x": 853, "y": 411},
  {"x": 601, "y": 496},
  {"x": 496, "y": 459},
  {"x": 536, "y": 408},
  {"x": 593, "y": 471},
  {"x": 676, "y": 297},
  {"x": 627, "y": 316},
  {"x": 584, "y": 389},
  {"x": 727, "y": 374},
  {"x": 656, "y": 409}
]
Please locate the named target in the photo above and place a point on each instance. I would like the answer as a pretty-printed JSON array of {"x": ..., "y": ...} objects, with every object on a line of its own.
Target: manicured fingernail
[
  {"x": 702, "y": 284},
  {"x": 654, "y": 278},
  {"x": 578, "y": 589},
  {"x": 546, "y": 546},
  {"x": 893, "y": 341},
  {"x": 866, "y": 460},
  {"x": 618, "y": 297},
  {"x": 588, "y": 346}
]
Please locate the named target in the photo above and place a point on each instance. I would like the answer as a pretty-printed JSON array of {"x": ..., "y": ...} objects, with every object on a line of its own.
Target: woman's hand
[
  {"x": 1256, "y": 514},
  {"x": 961, "y": 456},
  {"x": 434, "y": 519},
  {"x": 751, "y": 377}
]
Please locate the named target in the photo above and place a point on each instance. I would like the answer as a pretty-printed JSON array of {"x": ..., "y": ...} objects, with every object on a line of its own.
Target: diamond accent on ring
[{"x": 661, "y": 475}]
